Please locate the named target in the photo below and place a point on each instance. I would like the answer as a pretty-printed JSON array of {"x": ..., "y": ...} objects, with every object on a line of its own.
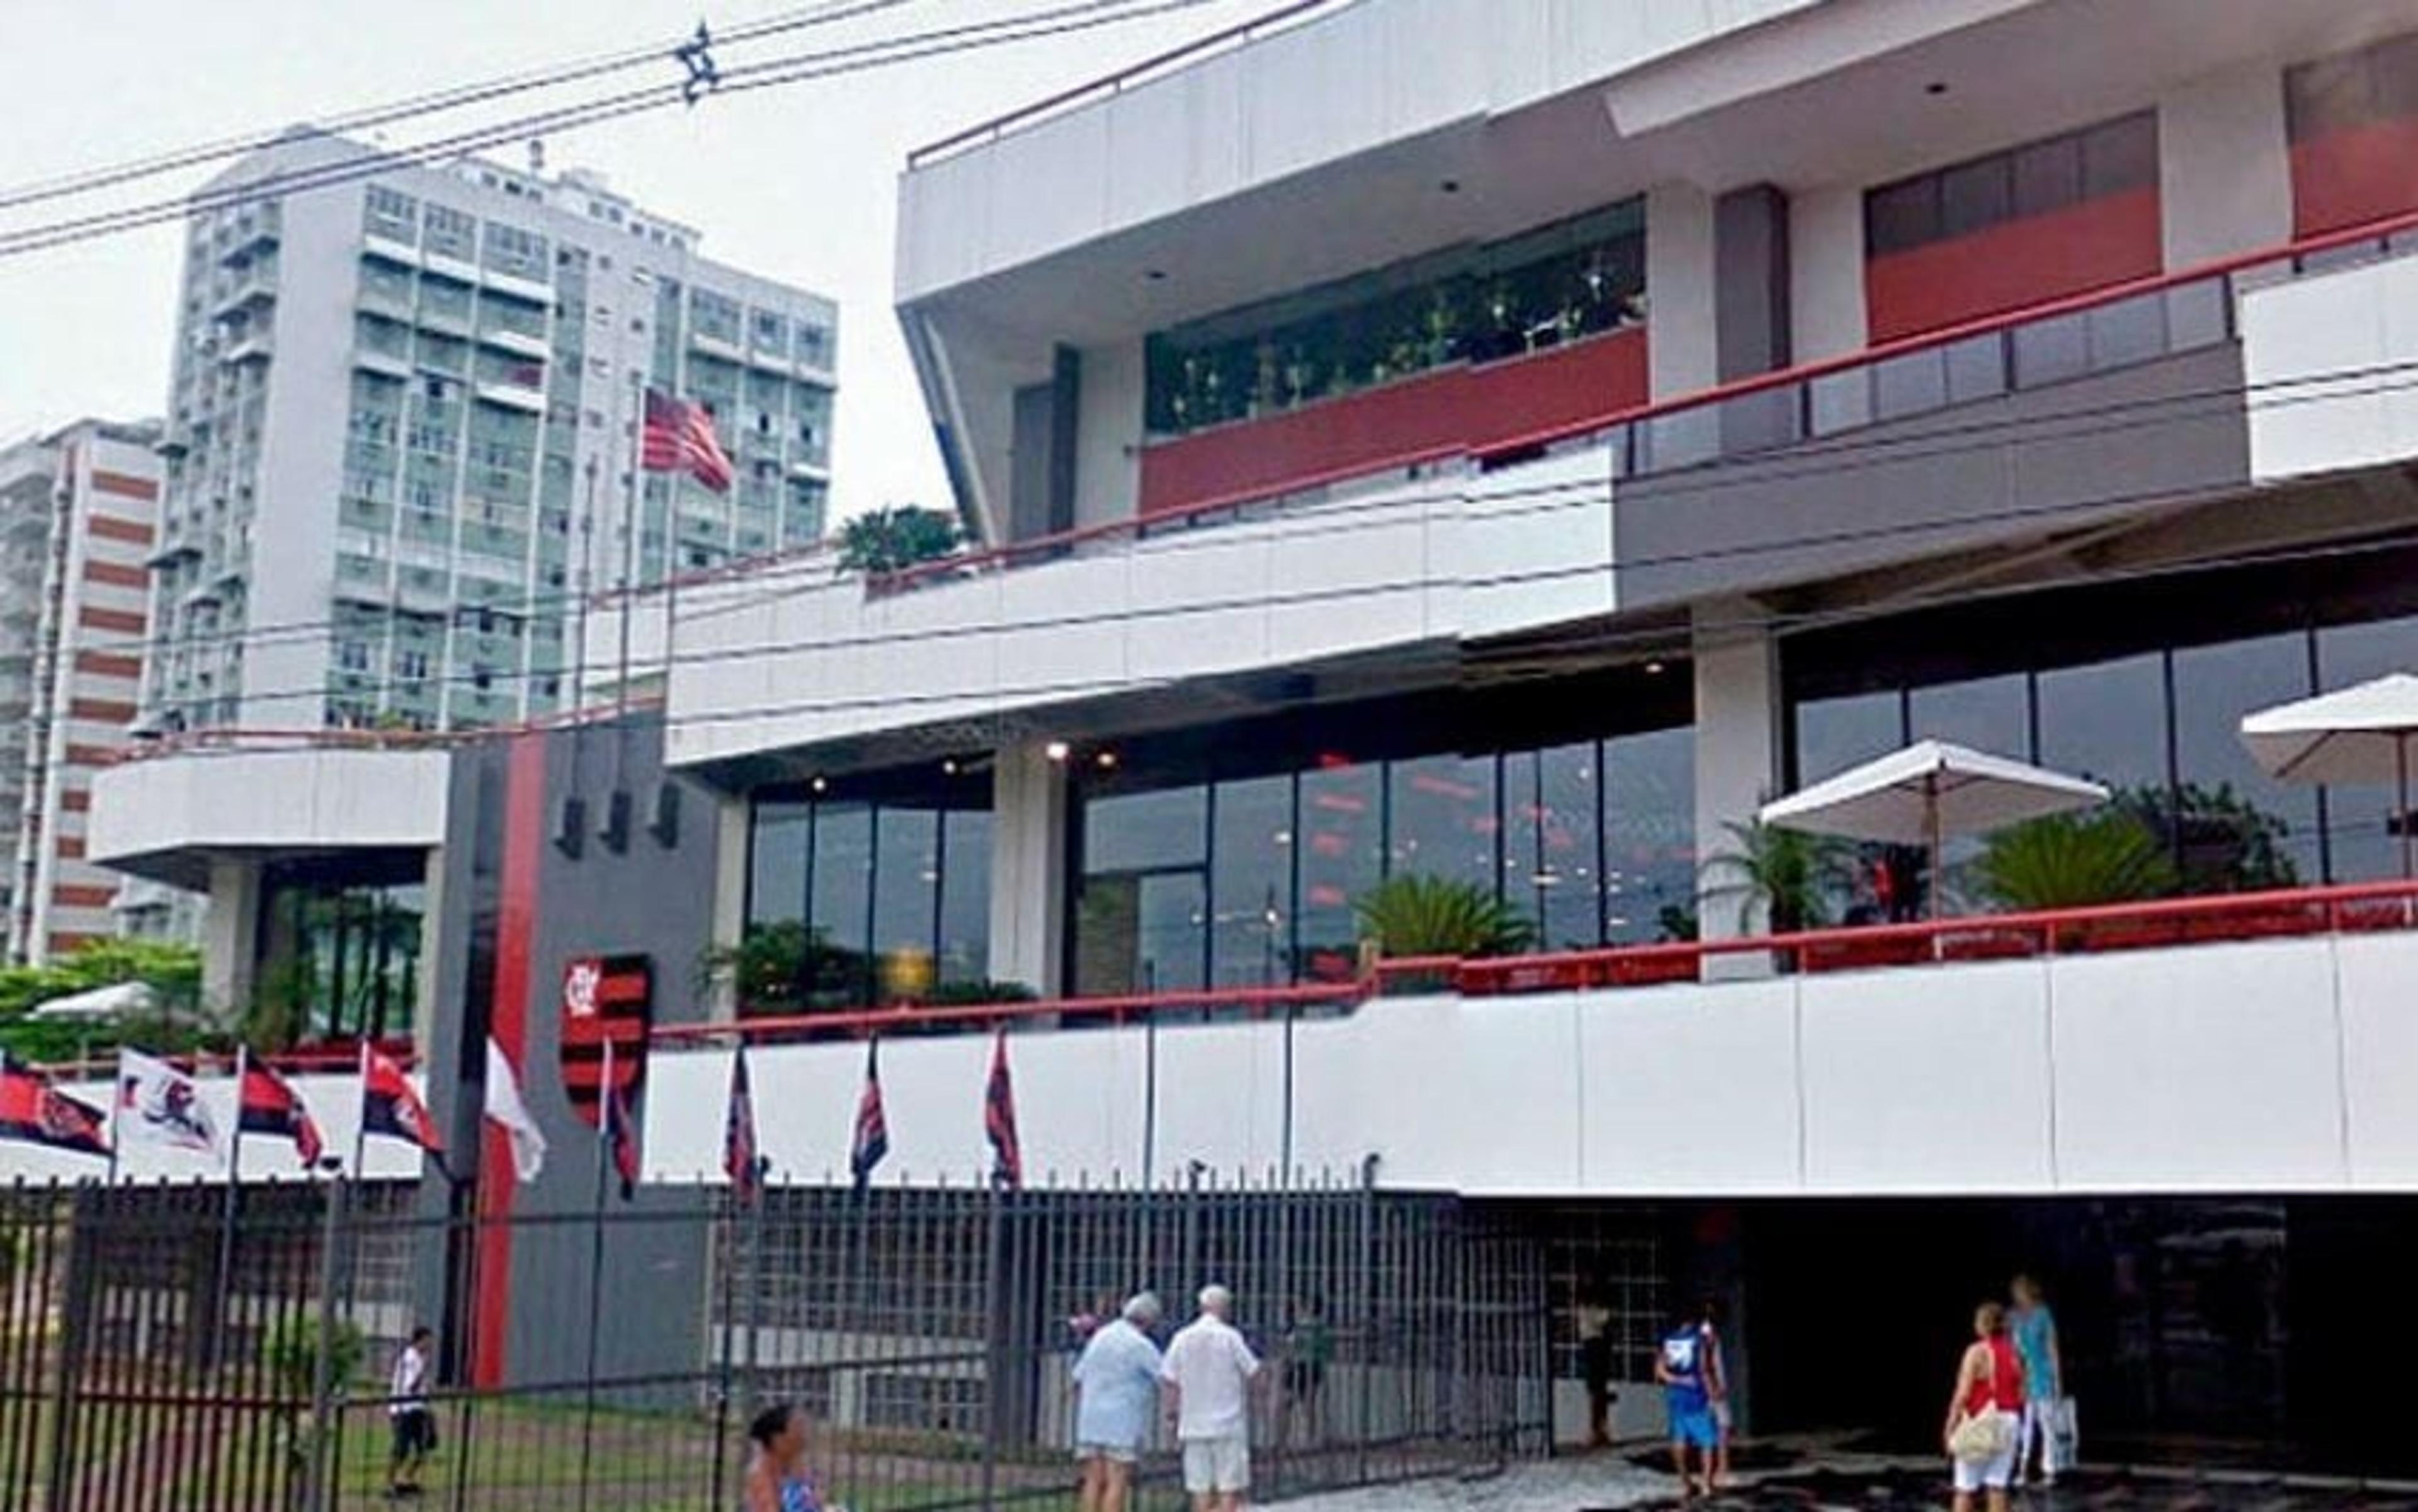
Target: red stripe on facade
[
  {"x": 110, "y": 528},
  {"x": 508, "y": 1020},
  {"x": 105, "y": 663},
  {"x": 82, "y": 895},
  {"x": 70, "y": 847},
  {"x": 75, "y": 799},
  {"x": 1471, "y": 408},
  {"x": 124, "y": 619},
  {"x": 125, "y": 485},
  {"x": 90, "y": 756},
  {"x": 101, "y": 711},
  {"x": 2354, "y": 175},
  {"x": 116, "y": 574},
  {"x": 2110, "y": 239}
]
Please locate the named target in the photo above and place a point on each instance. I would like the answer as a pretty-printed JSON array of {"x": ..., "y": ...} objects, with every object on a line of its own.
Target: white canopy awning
[
  {"x": 1930, "y": 789},
  {"x": 2356, "y": 735}
]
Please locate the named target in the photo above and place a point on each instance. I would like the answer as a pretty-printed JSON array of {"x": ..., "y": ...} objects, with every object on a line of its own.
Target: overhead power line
[{"x": 1081, "y": 15}]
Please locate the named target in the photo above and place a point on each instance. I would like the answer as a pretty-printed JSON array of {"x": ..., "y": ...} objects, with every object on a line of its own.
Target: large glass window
[
  {"x": 2234, "y": 824},
  {"x": 1251, "y": 892},
  {"x": 1141, "y": 913},
  {"x": 1649, "y": 837},
  {"x": 1339, "y": 826},
  {"x": 2362, "y": 842},
  {"x": 1551, "y": 850},
  {"x": 340, "y": 955},
  {"x": 1441, "y": 818},
  {"x": 1557, "y": 283}
]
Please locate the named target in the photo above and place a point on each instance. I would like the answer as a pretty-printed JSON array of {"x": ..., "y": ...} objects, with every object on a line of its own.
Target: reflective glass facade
[
  {"x": 1554, "y": 284},
  {"x": 1239, "y": 864},
  {"x": 339, "y": 948}
]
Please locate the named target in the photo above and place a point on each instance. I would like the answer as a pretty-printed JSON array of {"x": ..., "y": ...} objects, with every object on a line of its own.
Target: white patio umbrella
[
  {"x": 1930, "y": 790},
  {"x": 2361, "y": 734}
]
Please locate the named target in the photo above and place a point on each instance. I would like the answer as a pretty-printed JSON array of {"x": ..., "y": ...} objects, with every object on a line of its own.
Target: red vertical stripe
[{"x": 515, "y": 936}]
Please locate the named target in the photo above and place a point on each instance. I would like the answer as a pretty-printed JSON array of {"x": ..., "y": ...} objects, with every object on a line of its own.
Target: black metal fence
[{"x": 163, "y": 1349}]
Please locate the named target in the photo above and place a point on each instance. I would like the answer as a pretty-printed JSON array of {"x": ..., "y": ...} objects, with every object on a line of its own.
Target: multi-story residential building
[
  {"x": 401, "y": 435},
  {"x": 77, "y": 512},
  {"x": 1510, "y": 443}
]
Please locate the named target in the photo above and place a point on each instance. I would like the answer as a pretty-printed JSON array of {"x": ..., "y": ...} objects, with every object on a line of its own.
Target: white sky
[{"x": 797, "y": 184}]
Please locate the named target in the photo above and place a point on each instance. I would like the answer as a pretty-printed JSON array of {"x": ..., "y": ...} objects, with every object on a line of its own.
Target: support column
[
  {"x": 231, "y": 935},
  {"x": 1028, "y": 870},
  {"x": 730, "y": 858},
  {"x": 1682, "y": 352},
  {"x": 1826, "y": 272},
  {"x": 2224, "y": 166},
  {"x": 1751, "y": 274},
  {"x": 1737, "y": 752}
]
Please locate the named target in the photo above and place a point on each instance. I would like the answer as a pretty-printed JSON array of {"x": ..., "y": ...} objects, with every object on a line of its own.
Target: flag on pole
[
  {"x": 678, "y": 436},
  {"x": 999, "y": 1121},
  {"x": 620, "y": 1135},
  {"x": 391, "y": 1108},
  {"x": 266, "y": 1103},
  {"x": 871, "y": 1142},
  {"x": 742, "y": 1161},
  {"x": 36, "y": 1112},
  {"x": 505, "y": 1108},
  {"x": 157, "y": 1104}
]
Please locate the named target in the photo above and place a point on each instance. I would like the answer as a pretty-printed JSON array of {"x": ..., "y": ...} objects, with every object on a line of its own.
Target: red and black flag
[
  {"x": 620, "y": 1135},
  {"x": 267, "y": 1104},
  {"x": 391, "y": 1109},
  {"x": 742, "y": 1161},
  {"x": 998, "y": 1122},
  {"x": 678, "y": 436},
  {"x": 36, "y": 1112},
  {"x": 871, "y": 1142}
]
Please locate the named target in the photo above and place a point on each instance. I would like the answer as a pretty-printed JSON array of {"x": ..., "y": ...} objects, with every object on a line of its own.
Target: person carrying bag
[{"x": 1983, "y": 1411}]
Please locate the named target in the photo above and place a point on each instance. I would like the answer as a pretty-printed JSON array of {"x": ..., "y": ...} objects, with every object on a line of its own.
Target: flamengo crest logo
[{"x": 605, "y": 1000}]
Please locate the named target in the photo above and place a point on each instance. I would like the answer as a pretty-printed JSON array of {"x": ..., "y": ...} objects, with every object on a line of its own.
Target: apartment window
[
  {"x": 768, "y": 333},
  {"x": 391, "y": 214},
  {"x": 510, "y": 250},
  {"x": 410, "y": 666},
  {"x": 352, "y": 655},
  {"x": 712, "y": 314},
  {"x": 450, "y": 233}
]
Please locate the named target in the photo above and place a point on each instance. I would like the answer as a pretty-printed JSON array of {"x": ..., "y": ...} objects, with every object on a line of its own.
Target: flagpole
[
  {"x": 361, "y": 1123},
  {"x": 116, "y": 1095},
  {"x": 596, "y": 1264},
  {"x": 227, "y": 1206}
]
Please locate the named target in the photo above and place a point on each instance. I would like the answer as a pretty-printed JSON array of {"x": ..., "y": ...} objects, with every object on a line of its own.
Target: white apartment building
[
  {"x": 400, "y": 427},
  {"x": 77, "y": 511}
]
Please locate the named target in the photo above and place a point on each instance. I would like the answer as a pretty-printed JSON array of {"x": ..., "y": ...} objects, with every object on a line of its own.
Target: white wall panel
[
  {"x": 2319, "y": 340},
  {"x": 1910, "y": 1088},
  {"x": 1220, "y": 1098},
  {"x": 2217, "y": 1067},
  {"x": 302, "y": 799},
  {"x": 1691, "y": 1089},
  {"x": 2373, "y": 975}
]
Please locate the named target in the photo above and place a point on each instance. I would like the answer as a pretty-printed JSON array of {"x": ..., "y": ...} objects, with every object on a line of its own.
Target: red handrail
[
  {"x": 1284, "y": 17},
  {"x": 2043, "y": 932},
  {"x": 1737, "y": 387}
]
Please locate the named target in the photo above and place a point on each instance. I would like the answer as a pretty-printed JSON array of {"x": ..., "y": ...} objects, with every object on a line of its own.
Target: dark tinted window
[
  {"x": 2379, "y": 82},
  {"x": 2033, "y": 179},
  {"x": 1975, "y": 196},
  {"x": 2120, "y": 156},
  {"x": 2048, "y": 177},
  {"x": 1901, "y": 216}
]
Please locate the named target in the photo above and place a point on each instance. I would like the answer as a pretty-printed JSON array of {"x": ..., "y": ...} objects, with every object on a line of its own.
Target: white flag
[
  {"x": 157, "y": 1103},
  {"x": 512, "y": 1115}
]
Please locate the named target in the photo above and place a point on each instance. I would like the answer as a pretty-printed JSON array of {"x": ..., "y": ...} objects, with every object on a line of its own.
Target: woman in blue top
[
  {"x": 2034, "y": 1331},
  {"x": 777, "y": 1479}
]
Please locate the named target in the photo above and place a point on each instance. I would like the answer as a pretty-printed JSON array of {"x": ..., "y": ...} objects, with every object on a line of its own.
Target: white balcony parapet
[{"x": 164, "y": 816}]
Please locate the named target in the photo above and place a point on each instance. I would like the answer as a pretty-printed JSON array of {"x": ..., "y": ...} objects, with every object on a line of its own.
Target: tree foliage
[
  {"x": 890, "y": 539},
  {"x": 2072, "y": 860},
  {"x": 172, "y": 972}
]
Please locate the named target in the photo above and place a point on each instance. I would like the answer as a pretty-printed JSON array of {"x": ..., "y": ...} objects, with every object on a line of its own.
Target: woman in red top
[{"x": 1989, "y": 1388}]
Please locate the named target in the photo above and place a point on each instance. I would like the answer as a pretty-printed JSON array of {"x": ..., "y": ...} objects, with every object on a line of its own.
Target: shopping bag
[{"x": 2068, "y": 1429}]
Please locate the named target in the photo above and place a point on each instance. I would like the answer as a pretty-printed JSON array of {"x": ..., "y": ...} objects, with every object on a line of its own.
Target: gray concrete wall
[{"x": 2033, "y": 463}]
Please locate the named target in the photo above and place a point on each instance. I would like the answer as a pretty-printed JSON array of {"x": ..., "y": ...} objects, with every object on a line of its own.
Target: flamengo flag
[
  {"x": 678, "y": 436},
  {"x": 267, "y": 1104},
  {"x": 391, "y": 1109},
  {"x": 33, "y": 1110},
  {"x": 741, "y": 1159},
  {"x": 506, "y": 1111},
  {"x": 872, "y": 1138},
  {"x": 998, "y": 1122},
  {"x": 157, "y": 1103}
]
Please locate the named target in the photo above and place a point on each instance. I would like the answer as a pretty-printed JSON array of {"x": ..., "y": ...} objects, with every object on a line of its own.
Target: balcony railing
[
  {"x": 2100, "y": 332},
  {"x": 2167, "y": 924}
]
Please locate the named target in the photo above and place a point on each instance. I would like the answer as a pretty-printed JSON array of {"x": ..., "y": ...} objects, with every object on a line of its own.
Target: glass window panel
[
  {"x": 1834, "y": 734},
  {"x": 1843, "y": 400},
  {"x": 2047, "y": 176},
  {"x": 1901, "y": 216},
  {"x": 1975, "y": 196},
  {"x": 1649, "y": 836},
  {"x": 776, "y": 872},
  {"x": 2107, "y": 722},
  {"x": 905, "y": 900},
  {"x": 1251, "y": 884},
  {"x": 1145, "y": 831},
  {"x": 1440, "y": 814},
  {"x": 2129, "y": 330},
  {"x": 2049, "y": 351},
  {"x": 840, "y": 902},
  {"x": 1991, "y": 715},
  {"x": 2236, "y": 827},
  {"x": 2196, "y": 315},
  {"x": 1977, "y": 368},
  {"x": 2121, "y": 156},
  {"x": 1550, "y": 855},
  {"x": 2325, "y": 97},
  {"x": 1909, "y": 385},
  {"x": 965, "y": 899},
  {"x": 2361, "y": 844},
  {"x": 1341, "y": 844}
]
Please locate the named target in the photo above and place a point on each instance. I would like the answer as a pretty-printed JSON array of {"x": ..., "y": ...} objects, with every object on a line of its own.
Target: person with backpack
[{"x": 1689, "y": 1374}]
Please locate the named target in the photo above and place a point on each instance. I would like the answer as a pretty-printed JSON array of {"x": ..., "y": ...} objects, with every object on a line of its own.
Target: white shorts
[
  {"x": 1115, "y": 1453},
  {"x": 1998, "y": 1472},
  {"x": 1217, "y": 1465}
]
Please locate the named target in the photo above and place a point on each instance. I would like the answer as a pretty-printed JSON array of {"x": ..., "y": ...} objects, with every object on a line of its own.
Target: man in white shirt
[
  {"x": 408, "y": 1410},
  {"x": 1208, "y": 1374}
]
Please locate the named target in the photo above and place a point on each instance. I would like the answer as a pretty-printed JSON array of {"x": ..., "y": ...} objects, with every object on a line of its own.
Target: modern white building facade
[
  {"x": 400, "y": 445},
  {"x": 1507, "y": 444},
  {"x": 80, "y": 510}
]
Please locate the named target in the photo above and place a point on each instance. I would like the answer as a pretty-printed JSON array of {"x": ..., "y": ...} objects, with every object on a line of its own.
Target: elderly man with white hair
[
  {"x": 1208, "y": 1373},
  {"x": 1116, "y": 1381}
]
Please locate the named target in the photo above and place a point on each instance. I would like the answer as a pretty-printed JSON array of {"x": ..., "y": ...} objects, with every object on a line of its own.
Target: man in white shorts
[{"x": 1208, "y": 1374}]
